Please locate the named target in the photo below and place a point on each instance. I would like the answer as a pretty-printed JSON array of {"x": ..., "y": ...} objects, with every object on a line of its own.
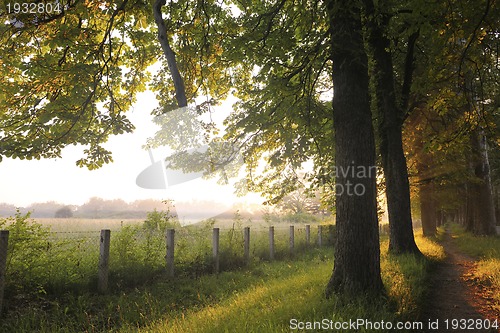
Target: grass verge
[{"x": 487, "y": 251}]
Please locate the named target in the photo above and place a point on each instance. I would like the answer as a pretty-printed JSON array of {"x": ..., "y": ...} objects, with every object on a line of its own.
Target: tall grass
[{"x": 406, "y": 276}]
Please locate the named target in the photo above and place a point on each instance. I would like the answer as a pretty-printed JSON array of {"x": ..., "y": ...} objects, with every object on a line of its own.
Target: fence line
[
  {"x": 271, "y": 243},
  {"x": 4, "y": 242},
  {"x": 246, "y": 246},
  {"x": 170, "y": 252},
  {"x": 308, "y": 235},
  {"x": 103, "y": 271},
  {"x": 215, "y": 248},
  {"x": 169, "y": 259}
]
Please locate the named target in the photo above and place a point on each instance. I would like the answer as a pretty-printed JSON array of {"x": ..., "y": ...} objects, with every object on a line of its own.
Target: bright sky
[{"x": 24, "y": 182}]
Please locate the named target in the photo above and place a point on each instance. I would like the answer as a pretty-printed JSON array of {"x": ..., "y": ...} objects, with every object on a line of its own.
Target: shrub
[
  {"x": 27, "y": 253},
  {"x": 160, "y": 221},
  {"x": 64, "y": 212}
]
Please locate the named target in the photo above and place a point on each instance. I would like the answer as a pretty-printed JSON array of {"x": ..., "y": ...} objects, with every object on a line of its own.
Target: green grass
[
  {"x": 406, "y": 276},
  {"x": 476, "y": 246},
  {"x": 261, "y": 297},
  {"x": 487, "y": 252},
  {"x": 289, "y": 290}
]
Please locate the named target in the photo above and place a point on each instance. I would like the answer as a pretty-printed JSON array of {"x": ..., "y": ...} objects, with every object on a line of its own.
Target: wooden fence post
[
  {"x": 4, "y": 242},
  {"x": 170, "y": 252},
  {"x": 271, "y": 243},
  {"x": 320, "y": 235},
  {"x": 102, "y": 283},
  {"x": 308, "y": 235},
  {"x": 292, "y": 239},
  {"x": 215, "y": 249},
  {"x": 246, "y": 236}
]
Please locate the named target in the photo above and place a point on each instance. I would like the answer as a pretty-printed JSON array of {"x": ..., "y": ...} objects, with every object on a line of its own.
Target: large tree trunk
[
  {"x": 357, "y": 249},
  {"x": 496, "y": 200},
  {"x": 390, "y": 121},
  {"x": 484, "y": 209},
  {"x": 427, "y": 208},
  {"x": 424, "y": 164},
  {"x": 401, "y": 237},
  {"x": 470, "y": 191}
]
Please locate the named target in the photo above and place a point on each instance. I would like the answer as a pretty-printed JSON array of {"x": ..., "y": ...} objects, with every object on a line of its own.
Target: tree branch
[
  {"x": 180, "y": 91},
  {"x": 408, "y": 73}
]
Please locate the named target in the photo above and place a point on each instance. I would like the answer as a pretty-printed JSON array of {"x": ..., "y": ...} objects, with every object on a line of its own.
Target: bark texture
[
  {"x": 424, "y": 165},
  {"x": 390, "y": 121},
  {"x": 180, "y": 91},
  {"x": 483, "y": 211},
  {"x": 357, "y": 249},
  {"x": 427, "y": 208}
]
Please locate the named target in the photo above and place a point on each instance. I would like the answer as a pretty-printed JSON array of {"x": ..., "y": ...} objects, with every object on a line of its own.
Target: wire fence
[{"x": 38, "y": 262}]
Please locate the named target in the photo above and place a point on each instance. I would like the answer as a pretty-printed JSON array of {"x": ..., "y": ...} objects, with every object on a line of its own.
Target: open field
[
  {"x": 85, "y": 225},
  {"x": 56, "y": 256}
]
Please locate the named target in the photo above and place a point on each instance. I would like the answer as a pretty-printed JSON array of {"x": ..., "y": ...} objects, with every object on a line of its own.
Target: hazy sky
[{"x": 25, "y": 182}]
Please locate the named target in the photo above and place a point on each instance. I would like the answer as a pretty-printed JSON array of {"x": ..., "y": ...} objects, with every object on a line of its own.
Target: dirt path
[{"x": 454, "y": 299}]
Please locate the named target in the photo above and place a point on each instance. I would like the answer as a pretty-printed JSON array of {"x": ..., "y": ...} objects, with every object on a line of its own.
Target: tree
[
  {"x": 287, "y": 63},
  {"x": 44, "y": 209},
  {"x": 424, "y": 168},
  {"x": 277, "y": 58},
  {"x": 483, "y": 208},
  {"x": 357, "y": 253},
  {"x": 64, "y": 212},
  {"x": 7, "y": 209},
  {"x": 43, "y": 55},
  {"x": 301, "y": 201},
  {"x": 456, "y": 84},
  {"x": 94, "y": 207},
  {"x": 390, "y": 116}
]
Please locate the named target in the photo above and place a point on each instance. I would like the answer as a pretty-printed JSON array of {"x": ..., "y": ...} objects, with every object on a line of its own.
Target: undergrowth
[
  {"x": 487, "y": 251},
  {"x": 259, "y": 296}
]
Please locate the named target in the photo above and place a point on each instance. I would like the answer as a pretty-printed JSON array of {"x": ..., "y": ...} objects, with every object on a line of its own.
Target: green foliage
[
  {"x": 304, "y": 218},
  {"x": 64, "y": 212},
  {"x": 27, "y": 254},
  {"x": 260, "y": 296},
  {"x": 455, "y": 85},
  {"x": 138, "y": 254},
  {"x": 59, "y": 68},
  {"x": 194, "y": 249},
  {"x": 232, "y": 245},
  {"x": 160, "y": 221},
  {"x": 284, "y": 114},
  {"x": 39, "y": 263}
]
